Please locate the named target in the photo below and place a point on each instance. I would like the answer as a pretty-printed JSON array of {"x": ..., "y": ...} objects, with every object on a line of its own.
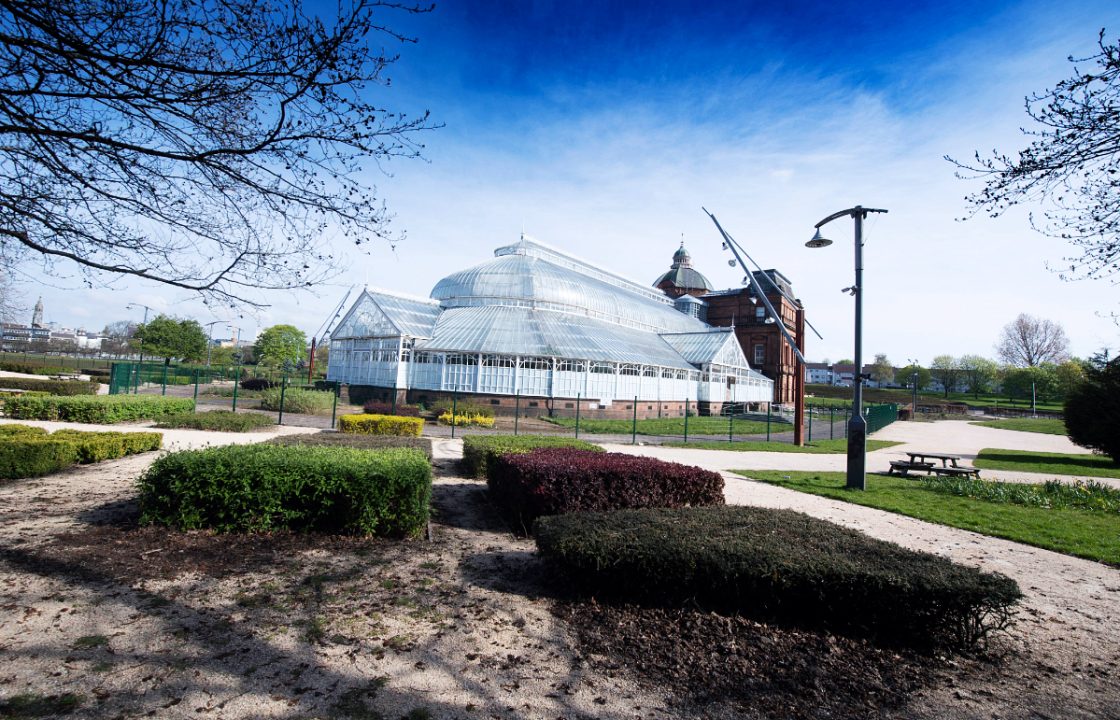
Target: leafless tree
[
  {"x": 205, "y": 144},
  {"x": 1028, "y": 341},
  {"x": 11, "y": 300},
  {"x": 1072, "y": 162}
]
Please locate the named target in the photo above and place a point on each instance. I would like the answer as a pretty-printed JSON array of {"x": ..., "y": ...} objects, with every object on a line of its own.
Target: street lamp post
[
  {"x": 210, "y": 338},
  {"x": 914, "y": 390},
  {"x": 140, "y": 364},
  {"x": 857, "y": 425}
]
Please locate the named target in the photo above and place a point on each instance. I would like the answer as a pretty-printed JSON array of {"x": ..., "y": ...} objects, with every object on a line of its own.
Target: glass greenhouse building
[{"x": 540, "y": 325}]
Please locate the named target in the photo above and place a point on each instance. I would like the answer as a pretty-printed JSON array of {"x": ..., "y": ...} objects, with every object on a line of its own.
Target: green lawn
[
  {"x": 903, "y": 396},
  {"x": 1049, "y": 426},
  {"x": 1087, "y": 534},
  {"x": 840, "y": 445},
  {"x": 673, "y": 426},
  {"x": 1042, "y": 462}
]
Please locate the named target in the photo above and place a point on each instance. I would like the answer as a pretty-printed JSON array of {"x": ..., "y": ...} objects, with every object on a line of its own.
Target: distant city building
[{"x": 540, "y": 330}]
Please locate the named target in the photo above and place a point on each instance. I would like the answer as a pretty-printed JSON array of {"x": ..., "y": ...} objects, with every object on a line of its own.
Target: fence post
[
  {"x": 454, "y": 410},
  {"x": 577, "y": 415},
  {"x": 634, "y": 424},
  {"x": 394, "y": 410},
  {"x": 831, "y": 422},
  {"x": 236, "y": 383},
  {"x": 847, "y": 414},
  {"x": 809, "y": 412},
  {"x": 686, "y": 420},
  {"x": 163, "y": 390},
  {"x": 196, "y": 390},
  {"x": 516, "y": 411},
  {"x": 283, "y": 389},
  {"x": 334, "y": 402},
  {"x": 769, "y": 407},
  {"x": 730, "y": 427}
]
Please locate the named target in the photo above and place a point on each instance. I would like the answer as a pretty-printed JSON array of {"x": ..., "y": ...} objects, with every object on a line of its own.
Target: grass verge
[
  {"x": 1085, "y": 534},
  {"x": 1042, "y": 462},
  {"x": 671, "y": 426},
  {"x": 1049, "y": 426},
  {"x": 819, "y": 447}
]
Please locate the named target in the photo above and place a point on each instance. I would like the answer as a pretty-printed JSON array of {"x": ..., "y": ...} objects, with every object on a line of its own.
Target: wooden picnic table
[{"x": 927, "y": 462}]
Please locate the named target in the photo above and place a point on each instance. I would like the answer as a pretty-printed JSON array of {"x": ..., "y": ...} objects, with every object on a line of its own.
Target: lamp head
[{"x": 818, "y": 241}]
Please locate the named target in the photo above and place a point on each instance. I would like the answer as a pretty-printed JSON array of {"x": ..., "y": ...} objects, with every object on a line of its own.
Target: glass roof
[
  {"x": 377, "y": 313},
  {"x": 529, "y": 274},
  {"x": 526, "y": 331},
  {"x": 702, "y": 347}
]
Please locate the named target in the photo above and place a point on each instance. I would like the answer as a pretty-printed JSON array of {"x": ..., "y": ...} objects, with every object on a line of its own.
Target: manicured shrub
[
  {"x": 258, "y": 383},
  {"x": 778, "y": 565},
  {"x": 551, "y": 481},
  {"x": 100, "y": 409},
  {"x": 267, "y": 487},
  {"x": 31, "y": 452},
  {"x": 480, "y": 450},
  {"x": 377, "y": 407},
  {"x": 102, "y": 374},
  {"x": 363, "y": 442},
  {"x": 463, "y": 420},
  {"x": 361, "y": 394},
  {"x": 13, "y": 430},
  {"x": 1092, "y": 410},
  {"x": 54, "y": 387},
  {"x": 297, "y": 400},
  {"x": 219, "y": 420},
  {"x": 380, "y": 425},
  {"x": 462, "y": 407},
  {"x": 99, "y": 446}
]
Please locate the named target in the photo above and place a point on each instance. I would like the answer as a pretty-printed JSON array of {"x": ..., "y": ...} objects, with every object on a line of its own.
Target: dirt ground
[{"x": 105, "y": 619}]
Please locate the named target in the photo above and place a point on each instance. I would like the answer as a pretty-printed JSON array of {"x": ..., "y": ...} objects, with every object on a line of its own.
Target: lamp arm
[{"x": 857, "y": 210}]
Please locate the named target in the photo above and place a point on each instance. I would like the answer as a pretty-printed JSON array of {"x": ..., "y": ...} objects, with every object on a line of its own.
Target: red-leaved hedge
[
  {"x": 552, "y": 481},
  {"x": 378, "y": 407}
]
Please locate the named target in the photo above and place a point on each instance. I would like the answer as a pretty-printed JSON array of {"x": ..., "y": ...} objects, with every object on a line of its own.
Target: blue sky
[{"x": 602, "y": 128}]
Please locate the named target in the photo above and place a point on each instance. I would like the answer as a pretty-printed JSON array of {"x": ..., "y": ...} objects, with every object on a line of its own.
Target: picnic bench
[{"x": 927, "y": 462}]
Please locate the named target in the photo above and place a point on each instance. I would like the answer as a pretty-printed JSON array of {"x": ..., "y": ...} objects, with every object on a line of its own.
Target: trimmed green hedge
[
  {"x": 380, "y": 425},
  {"x": 267, "y": 487},
  {"x": 362, "y": 442},
  {"x": 54, "y": 387},
  {"x": 480, "y": 450},
  {"x": 297, "y": 400},
  {"x": 779, "y": 565},
  {"x": 99, "y": 409},
  {"x": 31, "y": 452},
  {"x": 219, "y": 420}
]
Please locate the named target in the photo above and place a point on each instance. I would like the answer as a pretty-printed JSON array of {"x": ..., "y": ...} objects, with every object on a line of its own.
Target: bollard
[
  {"x": 634, "y": 424},
  {"x": 283, "y": 389},
  {"x": 334, "y": 402},
  {"x": 577, "y": 415}
]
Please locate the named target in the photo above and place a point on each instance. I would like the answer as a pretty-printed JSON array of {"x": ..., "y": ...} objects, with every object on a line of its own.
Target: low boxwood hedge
[
  {"x": 99, "y": 409},
  {"x": 258, "y": 383},
  {"x": 54, "y": 387},
  {"x": 551, "y": 481},
  {"x": 363, "y": 442},
  {"x": 267, "y": 487},
  {"x": 31, "y": 452},
  {"x": 219, "y": 420},
  {"x": 778, "y": 565},
  {"x": 479, "y": 450},
  {"x": 380, "y": 425}
]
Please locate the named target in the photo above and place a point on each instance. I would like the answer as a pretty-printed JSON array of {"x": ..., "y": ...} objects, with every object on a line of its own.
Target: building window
[
  {"x": 534, "y": 403},
  {"x": 759, "y": 353},
  {"x": 760, "y": 313},
  {"x": 495, "y": 401}
]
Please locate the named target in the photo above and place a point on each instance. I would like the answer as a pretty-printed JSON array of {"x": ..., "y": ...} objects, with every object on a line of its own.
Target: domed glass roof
[{"x": 529, "y": 274}]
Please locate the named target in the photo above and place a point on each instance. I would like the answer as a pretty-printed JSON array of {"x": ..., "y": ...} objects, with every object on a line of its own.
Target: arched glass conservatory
[{"x": 535, "y": 322}]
